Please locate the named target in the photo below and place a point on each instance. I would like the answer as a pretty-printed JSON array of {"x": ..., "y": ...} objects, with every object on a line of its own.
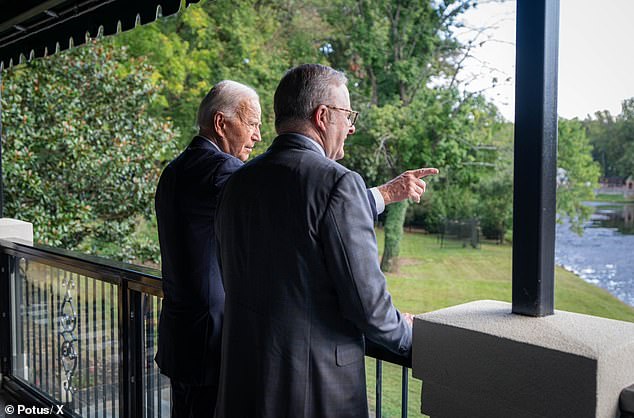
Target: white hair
[{"x": 226, "y": 97}]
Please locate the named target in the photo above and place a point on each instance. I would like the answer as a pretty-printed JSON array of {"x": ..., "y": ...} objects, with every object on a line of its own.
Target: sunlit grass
[{"x": 613, "y": 198}]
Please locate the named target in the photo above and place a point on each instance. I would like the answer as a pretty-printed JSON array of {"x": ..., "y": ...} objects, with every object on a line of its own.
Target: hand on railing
[{"x": 409, "y": 318}]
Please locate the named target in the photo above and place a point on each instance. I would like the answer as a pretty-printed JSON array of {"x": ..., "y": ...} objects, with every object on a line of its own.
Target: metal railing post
[
  {"x": 404, "y": 391},
  {"x": 379, "y": 388},
  {"x": 1, "y": 176},
  {"x": 131, "y": 367},
  {"x": 136, "y": 355},
  {"x": 5, "y": 315}
]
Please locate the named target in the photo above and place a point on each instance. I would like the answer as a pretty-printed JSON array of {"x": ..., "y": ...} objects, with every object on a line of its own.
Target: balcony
[{"x": 81, "y": 332}]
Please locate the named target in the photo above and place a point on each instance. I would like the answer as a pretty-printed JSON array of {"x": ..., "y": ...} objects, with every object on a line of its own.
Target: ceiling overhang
[{"x": 31, "y": 28}]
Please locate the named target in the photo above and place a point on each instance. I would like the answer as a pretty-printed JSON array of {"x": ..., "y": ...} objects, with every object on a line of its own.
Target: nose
[
  {"x": 257, "y": 135},
  {"x": 352, "y": 130}
]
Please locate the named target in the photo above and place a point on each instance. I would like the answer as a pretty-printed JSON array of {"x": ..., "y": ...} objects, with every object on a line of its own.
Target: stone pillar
[
  {"x": 15, "y": 230},
  {"x": 480, "y": 360}
]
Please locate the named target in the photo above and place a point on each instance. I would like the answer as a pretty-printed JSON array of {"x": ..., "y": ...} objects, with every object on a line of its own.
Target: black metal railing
[
  {"x": 381, "y": 355},
  {"x": 81, "y": 331}
]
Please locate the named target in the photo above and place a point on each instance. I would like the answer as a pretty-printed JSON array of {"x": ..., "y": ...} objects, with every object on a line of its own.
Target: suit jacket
[
  {"x": 191, "y": 317},
  {"x": 303, "y": 287}
]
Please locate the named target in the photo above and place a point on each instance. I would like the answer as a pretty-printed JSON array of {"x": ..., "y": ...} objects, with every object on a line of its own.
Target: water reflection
[
  {"x": 619, "y": 217},
  {"x": 603, "y": 254}
]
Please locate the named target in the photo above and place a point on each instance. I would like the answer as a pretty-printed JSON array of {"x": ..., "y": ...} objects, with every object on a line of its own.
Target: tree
[
  {"x": 252, "y": 42},
  {"x": 577, "y": 173},
  {"x": 81, "y": 152},
  {"x": 613, "y": 140},
  {"x": 392, "y": 50}
]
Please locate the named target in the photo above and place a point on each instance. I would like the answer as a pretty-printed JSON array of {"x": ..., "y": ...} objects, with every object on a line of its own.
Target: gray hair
[
  {"x": 302, "y": 89},
  {"x": 226, "y": 96}
]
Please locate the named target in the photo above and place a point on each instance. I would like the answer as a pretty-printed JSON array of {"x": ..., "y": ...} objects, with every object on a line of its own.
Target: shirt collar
[{"x": 212, "y": 142}]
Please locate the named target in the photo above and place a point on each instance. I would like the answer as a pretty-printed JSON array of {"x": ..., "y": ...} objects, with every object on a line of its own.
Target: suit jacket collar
[
  {"x": 297, "y": 141},
  {"x": 202, "y": 142}
]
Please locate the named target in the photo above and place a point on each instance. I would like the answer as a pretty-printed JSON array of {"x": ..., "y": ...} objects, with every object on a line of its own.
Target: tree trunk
[{"x": 394, "y": 219}]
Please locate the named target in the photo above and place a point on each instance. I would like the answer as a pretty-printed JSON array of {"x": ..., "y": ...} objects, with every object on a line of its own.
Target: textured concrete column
[
  {"x": 480, "y": 360},
  {"x": 17, "y": 230}
]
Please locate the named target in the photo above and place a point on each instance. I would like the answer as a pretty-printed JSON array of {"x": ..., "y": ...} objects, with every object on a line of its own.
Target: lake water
[{"x": 604, "y": 254}]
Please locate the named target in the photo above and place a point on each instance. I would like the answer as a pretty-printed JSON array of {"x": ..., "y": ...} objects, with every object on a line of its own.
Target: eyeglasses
[{"x": 353, "y": 115}]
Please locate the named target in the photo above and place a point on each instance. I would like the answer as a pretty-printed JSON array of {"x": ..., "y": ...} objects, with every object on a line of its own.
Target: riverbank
[
  {"x": 612, "y": 198},
  {"x": 432, "y": 278}
]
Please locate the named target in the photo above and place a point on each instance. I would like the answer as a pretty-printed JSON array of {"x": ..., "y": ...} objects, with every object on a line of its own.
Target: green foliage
[
  {"x": 252, "y": 42},
  {"x": 81, "y": 151},
  {"x": 82, "y": 163},
  {"x": 477, "y": 182},
  {"x": 495, "y": 207},
  {"x": 395, "y": 51},
  {"x": 613, "y": 140},
  {"x": 578, "y": 174},
  {"x": 487, "y": 193},
  {"x": 393, "y": 48}
]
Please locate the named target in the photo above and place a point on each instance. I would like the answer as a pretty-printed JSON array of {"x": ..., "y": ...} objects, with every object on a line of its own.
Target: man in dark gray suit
[{"x": 300, "y": 266}]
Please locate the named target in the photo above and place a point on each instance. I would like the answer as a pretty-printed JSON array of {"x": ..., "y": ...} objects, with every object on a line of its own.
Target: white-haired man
[{"x": 191, "y": 318}]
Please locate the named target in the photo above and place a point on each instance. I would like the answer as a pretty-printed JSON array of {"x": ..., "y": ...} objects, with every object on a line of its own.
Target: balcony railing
[{"x": 81, "y": 331}]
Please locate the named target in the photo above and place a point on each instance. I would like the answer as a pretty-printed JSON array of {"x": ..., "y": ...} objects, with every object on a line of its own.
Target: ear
[
  {"x": 219, "y": 123},
  {"x": 321, "y": 118}
]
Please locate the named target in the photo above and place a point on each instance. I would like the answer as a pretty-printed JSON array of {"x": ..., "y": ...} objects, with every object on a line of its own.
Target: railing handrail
[
  {"x": 133, "y": 281},
  {"x": 141, "y": 278},
  {"x": 376, "y": 351}
]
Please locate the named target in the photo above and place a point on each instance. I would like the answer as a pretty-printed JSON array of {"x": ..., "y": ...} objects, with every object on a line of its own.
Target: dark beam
[
  {"x": 29, "y": 12},
  {"x": 535, "y": 157}
]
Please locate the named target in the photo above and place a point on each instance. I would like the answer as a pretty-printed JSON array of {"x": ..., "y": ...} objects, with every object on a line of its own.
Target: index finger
[{"x": 424, "y": 172}]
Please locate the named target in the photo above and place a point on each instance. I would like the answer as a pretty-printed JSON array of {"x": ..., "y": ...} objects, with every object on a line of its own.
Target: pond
[{"x": 603, "y": 255}]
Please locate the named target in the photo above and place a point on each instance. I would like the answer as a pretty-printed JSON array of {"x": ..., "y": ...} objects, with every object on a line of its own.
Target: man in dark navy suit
[
  {"x": 191, "y": 319},
  {"x": 186, "y": 198}
]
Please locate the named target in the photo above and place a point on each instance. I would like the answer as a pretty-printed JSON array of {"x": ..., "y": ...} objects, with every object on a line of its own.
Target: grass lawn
[
  {"x": 614, "y": 198},
  {"x": 432, "y": 278}
]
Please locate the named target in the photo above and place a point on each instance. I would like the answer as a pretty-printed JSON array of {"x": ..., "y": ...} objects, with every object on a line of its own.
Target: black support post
[{"x": 535, "y": 157}]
